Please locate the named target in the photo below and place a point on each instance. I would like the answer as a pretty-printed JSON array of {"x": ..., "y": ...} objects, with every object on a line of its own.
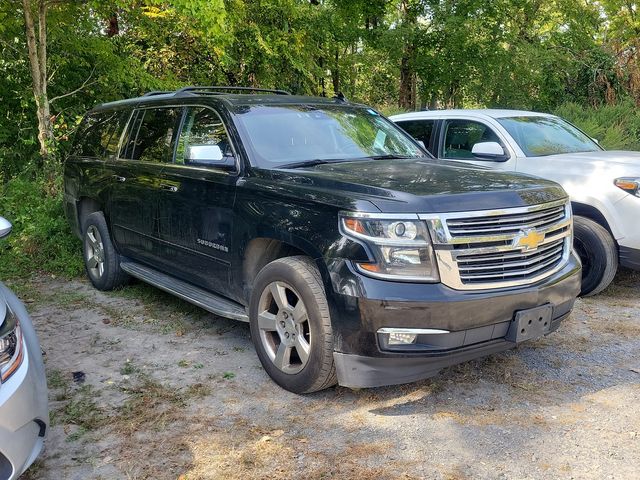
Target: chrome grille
[
  {"x": 505, "y": 223},
  {"x": 492, "y": 249},
  {"x": 483, "y": 267}
]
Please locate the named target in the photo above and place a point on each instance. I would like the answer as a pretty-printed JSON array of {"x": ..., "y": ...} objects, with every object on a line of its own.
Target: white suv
[{"x": 604, "y": 186}]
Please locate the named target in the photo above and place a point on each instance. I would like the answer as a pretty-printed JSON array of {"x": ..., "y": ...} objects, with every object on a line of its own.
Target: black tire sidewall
[
  {"x": 594, "y": 241},
  {"x": 112, "y": 276},
  {"x": 303, "y": 381}
]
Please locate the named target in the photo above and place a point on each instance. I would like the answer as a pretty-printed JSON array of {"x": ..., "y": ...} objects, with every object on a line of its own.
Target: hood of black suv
[{"x": 426, "y": 185}]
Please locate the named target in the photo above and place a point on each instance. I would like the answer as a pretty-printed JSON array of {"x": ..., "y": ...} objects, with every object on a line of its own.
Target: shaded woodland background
[{"x": 576, "y": 58}]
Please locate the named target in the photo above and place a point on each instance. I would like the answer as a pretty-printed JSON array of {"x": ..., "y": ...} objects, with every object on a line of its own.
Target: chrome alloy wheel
[
  {"x": 94, "y": 252},
  {"x": 283, "y": 324}
]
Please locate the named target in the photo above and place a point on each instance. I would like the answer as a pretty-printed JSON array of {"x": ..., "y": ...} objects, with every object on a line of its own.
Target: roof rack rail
[
  {"x": 218, "y": 90},
  {"x": 340, "y": 97},
  {"x": 156, "y": 92}
]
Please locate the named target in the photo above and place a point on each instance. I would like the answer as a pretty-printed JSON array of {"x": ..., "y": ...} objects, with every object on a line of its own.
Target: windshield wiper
[
  {"x": 322, "y": 161},
  {"x": 392, "y": 156},
  {"x": 318, "y": 161}
]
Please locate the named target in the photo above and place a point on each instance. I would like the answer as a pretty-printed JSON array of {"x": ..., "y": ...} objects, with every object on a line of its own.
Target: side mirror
[
  {"x": 5, "y": 227},
  {"x": 421, "y": 143},
  {"x": 596, "y": 140},
  {"x": 489, "y": 151},
  {"x": 209, "y": 156}
]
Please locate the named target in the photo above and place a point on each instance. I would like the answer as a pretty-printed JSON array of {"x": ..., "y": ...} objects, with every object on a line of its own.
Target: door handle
[
  {"x": 118, "y": 178},
  {"x": 168, "y": 188}
]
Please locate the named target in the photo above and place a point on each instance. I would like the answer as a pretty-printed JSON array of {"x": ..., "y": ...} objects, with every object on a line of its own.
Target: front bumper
[
  {"x": 24, "y": 414},
  {"x": 478, "y": 322},
  {"x": 629, "y": 257}
]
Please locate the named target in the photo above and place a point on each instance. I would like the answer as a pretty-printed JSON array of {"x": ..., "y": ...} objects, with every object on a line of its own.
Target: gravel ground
[{"x": 163, "y": 390}]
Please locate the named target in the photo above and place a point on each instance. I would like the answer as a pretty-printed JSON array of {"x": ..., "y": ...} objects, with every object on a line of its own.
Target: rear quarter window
[
  {"x": 151, "y": 135},
  {"x": 98, "y": 132}
]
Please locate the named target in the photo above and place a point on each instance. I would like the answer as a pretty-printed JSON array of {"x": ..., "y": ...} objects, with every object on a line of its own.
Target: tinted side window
[
  {"x": 202, "y": 128},
  {"x": 419, "y": 129},
  {"x": 152, "y": 135},
  {"x": 462, "y": 135},
  {"x": 119, "y": 123},
  {"x": 94, "y": 133}
]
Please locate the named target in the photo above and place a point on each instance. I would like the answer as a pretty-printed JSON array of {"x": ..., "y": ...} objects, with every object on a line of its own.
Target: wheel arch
[
  {"x": 592, "y": 213},
  {"x": 85, "y": 206},
  {"x": 264, "y": 249}
]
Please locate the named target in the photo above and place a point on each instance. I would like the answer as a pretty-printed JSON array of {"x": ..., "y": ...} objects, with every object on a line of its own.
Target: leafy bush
[
  {"x": 41, "y": 239},
  {"x": 616, "y": 127}
]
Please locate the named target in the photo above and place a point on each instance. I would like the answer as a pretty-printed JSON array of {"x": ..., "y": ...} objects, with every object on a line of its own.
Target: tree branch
[{"x": 85, "y": 84}]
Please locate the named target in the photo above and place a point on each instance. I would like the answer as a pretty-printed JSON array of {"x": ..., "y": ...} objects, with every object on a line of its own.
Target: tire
[
  {"x": 599, "y": 254},
  {"x": 293, "y": 340},
  {"x": 101, "y": 261}
]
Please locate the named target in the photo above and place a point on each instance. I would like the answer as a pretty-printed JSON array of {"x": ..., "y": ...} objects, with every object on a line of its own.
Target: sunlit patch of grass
[{"x": 149, "y": 405}]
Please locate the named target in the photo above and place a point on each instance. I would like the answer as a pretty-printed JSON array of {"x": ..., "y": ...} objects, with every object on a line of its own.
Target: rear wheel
[
  {"x": 291, "y": 327},
  {"x": 599, "y": 255},
  {"x": 101, "y": 260}
]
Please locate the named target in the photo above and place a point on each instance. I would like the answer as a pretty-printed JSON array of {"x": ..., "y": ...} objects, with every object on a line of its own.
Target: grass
[
  {"x": 41, "y": 240},
  {"x": 128, "y": 368},
  {"x": 82, "y": 411}
]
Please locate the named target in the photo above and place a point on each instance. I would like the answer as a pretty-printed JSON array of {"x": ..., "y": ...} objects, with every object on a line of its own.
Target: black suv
[{"x": 355, "y": 256}]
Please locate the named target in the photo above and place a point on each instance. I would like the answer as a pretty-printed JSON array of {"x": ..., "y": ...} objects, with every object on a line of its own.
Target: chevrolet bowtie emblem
[{"x": 528, "y": 239}]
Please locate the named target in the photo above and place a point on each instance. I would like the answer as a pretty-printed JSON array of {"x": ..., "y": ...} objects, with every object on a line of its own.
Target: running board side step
[{"x": 192, "y": 294}]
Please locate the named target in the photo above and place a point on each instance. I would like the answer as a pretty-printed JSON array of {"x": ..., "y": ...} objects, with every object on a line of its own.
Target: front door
[
  {"x": 132, "y": 206},
  {"x": 196, "y": 203},
  {"x": 458, "y": 138}
]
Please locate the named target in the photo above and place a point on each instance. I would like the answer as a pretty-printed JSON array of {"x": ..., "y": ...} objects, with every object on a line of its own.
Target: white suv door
[{"x": 476, "y": 142}]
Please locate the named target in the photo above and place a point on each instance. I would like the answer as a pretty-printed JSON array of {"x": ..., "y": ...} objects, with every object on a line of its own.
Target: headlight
[
  {"x": 402, "y": 248},
  {"x": 11, "y": 350},
  {"x": 629, "y": 185}
]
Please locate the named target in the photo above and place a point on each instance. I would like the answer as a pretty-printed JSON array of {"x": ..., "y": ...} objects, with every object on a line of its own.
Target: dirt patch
[{"x": 143, "y": 385}]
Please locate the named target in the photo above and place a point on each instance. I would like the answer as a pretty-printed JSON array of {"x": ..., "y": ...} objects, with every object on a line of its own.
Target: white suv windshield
[
  {"x": 284, "y": 134},
  {"x": 541, "y": 136}
]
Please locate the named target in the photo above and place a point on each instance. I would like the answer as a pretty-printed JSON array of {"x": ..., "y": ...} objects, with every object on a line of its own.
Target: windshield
[
  {"x": 291, "y": 134},
  {"x": 541, "y": 136}
]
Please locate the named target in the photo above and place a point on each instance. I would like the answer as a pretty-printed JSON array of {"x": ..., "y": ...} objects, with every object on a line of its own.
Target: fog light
[{"x": 402, "y": 338}]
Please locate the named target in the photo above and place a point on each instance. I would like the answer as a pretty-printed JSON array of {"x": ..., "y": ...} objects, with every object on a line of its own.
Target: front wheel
[
  {"x": 291, "y": 327},
  {"x": 599, "y": 255}
]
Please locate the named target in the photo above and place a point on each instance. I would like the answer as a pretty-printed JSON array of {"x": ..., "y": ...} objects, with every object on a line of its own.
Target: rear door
[
  {"x": 146, "y": 147},
  {"x": 196, "y": 203},
  {"x": 423, "y": 130}
]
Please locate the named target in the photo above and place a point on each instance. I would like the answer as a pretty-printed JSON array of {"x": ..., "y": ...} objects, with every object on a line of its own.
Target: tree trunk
[
  {"x": 335, "y": 73},
  {"x": 407, "y": 97},
  {"x": 407, "y": 80},
  {"x": 37, "y": 49},
  {"x": 113, "y": 27}
]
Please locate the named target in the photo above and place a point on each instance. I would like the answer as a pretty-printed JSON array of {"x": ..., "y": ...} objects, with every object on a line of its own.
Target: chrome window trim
[{"x": 185, "y": 106}]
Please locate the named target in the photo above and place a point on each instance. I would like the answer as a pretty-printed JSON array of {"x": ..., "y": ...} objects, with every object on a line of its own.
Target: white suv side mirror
[
  {"x": 489, "y": 150},
  {"x": 196, "y": 153},
  {"x": 5, "y": 227}
]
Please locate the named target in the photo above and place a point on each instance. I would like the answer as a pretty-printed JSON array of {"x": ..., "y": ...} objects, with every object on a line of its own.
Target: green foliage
[
  {"x": 41, "y": 239},
  {"x": 616, "y": 127},
  {"x": 577, "y": 58}
]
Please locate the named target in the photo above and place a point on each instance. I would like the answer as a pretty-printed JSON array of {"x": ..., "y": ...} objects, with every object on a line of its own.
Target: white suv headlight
[
  {"x": 11, "y": 346},
  {"x": 401, "y": 247},
  {"x": 629, "y": 185}
]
